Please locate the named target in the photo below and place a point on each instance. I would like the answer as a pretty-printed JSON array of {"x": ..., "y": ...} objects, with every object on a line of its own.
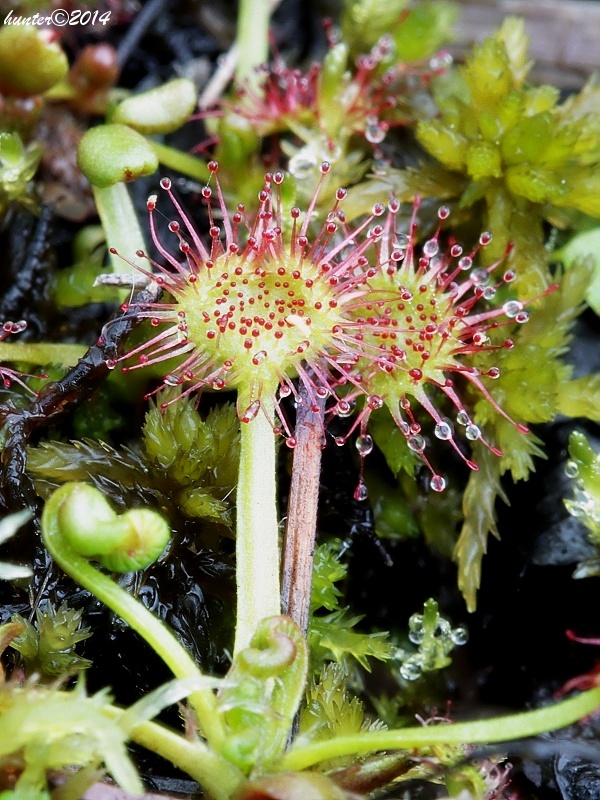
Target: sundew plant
[{"x": 335, "y": 296}]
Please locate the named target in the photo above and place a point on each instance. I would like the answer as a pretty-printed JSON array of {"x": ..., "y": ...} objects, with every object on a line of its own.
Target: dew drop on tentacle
[
  {"x": 364, "y": 444},
  {"x": 416, "y": 443},
  {"x": 438, "y": 483},
  {"x": 361, "y": 493},
  {"x": 430, "y": 248},
  {"x": 512, "y": 308},
  {"x": 343, "y": 409},
  {"x": 472, "y": 432},
  {"x": 251, "y": 412},
  {"x": 443, "y": 430},
  {"x": 375, "y": 131}
]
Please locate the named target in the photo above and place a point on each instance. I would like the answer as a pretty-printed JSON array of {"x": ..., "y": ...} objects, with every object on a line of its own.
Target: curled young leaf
[{"x": 123, "y": 543}]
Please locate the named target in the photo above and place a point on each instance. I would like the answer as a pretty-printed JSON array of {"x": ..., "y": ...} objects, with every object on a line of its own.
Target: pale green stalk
[
  {"x": 42, "y": 353},
  {"x": 182, "y": 162},
  {"x": 217, "y": 776},
  {"x": 121, "y": 226},
  {"x": 137, "y": 616},
  {"x": 252, "y": 36},
  {"x": 497, "y": 729},
  {"x": 257, "y": 539}
]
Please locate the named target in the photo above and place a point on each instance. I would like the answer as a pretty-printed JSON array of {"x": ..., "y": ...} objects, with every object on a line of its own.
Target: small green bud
[
  {"x": 535, "y": 183},
  {"x": 158, "y": 111},
  {"x": 488, "y": 75},
  {"x": 490, "y": 126},
  {"x": 581, "y": 185},
  {"x": 109, "y": 154},
  {"x": 483, "y": 161},
  {"x": 29, "y": 63},
  {"x": 528, "y": 140},
  {"x": 443, "y": 142}
]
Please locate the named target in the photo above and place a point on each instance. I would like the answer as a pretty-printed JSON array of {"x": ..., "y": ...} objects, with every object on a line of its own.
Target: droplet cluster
[{"x": 435, "y": 639}]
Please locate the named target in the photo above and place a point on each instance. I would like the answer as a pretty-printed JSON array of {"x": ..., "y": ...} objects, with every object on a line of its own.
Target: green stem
[
  {"x": 252, "y": 37},
  {"x": 42, "y": 353},
  {"x": 182, "y": 162},
  {"x": 157, "y": 635},
  {"x": 257, "y": 542},
  {"x": 498, "y": 729},
  {"x": 216, "y": 775},
  {"x": 121, "y": 227}
]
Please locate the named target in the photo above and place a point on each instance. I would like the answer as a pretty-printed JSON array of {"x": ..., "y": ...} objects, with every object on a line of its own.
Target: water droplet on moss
[
  {"x": 571, "y": 469},
  {"x": 460, "y": 636},
  {"x": 410, "y": 670}
]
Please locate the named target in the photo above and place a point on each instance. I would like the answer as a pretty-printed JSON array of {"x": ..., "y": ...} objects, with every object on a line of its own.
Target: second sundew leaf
[{"x": 109, "y": 154}]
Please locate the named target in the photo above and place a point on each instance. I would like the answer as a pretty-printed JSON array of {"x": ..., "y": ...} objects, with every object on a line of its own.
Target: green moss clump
[
  {"x": 48, "y": 648},
  {"x": 522, "y": 156}
]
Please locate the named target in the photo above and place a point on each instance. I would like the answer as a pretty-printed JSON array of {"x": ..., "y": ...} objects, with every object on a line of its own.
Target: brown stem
[
  {"x": 59, "y": 398},
  {"x": 301, "y": 527}
]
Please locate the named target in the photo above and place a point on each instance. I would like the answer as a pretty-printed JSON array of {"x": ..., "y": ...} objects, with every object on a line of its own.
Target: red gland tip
[{"x": 213, "y": 167}]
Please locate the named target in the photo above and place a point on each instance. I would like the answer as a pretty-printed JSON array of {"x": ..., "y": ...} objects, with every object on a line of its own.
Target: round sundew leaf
[
  {"x": 29, "y": 63},
  {"x": 158, "y": 111},
  {"x": 109, "y": 154}
]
